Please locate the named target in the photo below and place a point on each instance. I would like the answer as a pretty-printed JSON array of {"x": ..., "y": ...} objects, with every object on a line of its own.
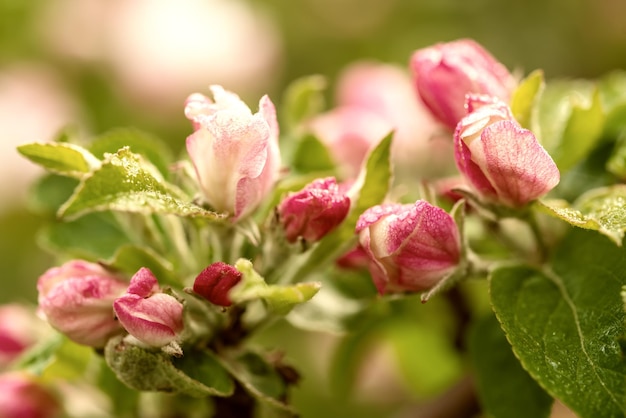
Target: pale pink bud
[
  {"x": 214, "y": 282},
  {"x": 152, "y": 317},
  {"x": 77, "y": 299},
  {"x": 410, "y": 247},
  {"x": 446, "y": 72},
  {"x": 349, "y": 133},
  {"x": 19, "y": 329},
  {"x": 235, "y": 153},
  {"x": 503, "y": 161},
  {"x": 314, "y": 211},
  {"x": 23, "y": 397}
]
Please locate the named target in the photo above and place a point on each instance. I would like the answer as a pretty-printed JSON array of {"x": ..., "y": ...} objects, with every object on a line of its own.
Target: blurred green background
[{"x": 99, "y": 64}]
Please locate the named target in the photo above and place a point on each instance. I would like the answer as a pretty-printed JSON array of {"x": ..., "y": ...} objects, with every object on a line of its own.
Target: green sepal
[
  {"x": 61, "y": 158},
  {"x": 279, "y": 299}
]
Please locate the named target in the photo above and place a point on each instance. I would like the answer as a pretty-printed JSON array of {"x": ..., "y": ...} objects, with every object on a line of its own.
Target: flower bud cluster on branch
[{"x": 258, "y": 223}]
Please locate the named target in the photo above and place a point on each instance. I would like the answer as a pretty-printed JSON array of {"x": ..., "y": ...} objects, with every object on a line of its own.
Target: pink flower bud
[
  {"x": 77, "y": 299},
  {"x": 152, "y": 317},
  {"x": 410, "y": 247},
  {"x": 215, "y": 281},
  {"x": 503, "y": 161},
  {"x": 314, "y": 211},
  {"x": 235, "y": 153},
  {"x": 445, "y": 73},
  {"x": 19, "y": 329},
  {"x": 22, "y": 397}
]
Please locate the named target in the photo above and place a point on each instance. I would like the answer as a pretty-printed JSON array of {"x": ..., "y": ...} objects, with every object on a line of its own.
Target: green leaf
[
  {"x": 581, "y": 134},
  {"x": 312, "y": 156},
  {"x": 554, "y": 109},
  {"x": 127, "y": 183},
  {"x": 130, "y": 258},
  {"x": 124, "y": 402},
  {"x": 564, "y": 323},
  {"x": 303, "y": 98},
  {"x": 56, "y": 357},
  {"x": 50, "y": 192},
  {"x": 602, "y": 210},
  {"x": 259, "y": 378},
  {"x": 617, "y": 162},
  {"x": 93, "y": 237},
  {"x": 41, "y": 355},
  {"x": 525, "y": 97},
  {"x": 612, "y": 88},
  {"x": 370, "y": 189},
  {"x": 506, "y": 390},
  {"x": 61, "y": 158},
  {"x": 196, "y": 374},
  {"x": 139, "y": 142}
]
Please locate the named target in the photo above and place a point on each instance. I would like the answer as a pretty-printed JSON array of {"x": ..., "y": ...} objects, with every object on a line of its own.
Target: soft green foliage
[
  {"x": 196, "y": 374},
  {"x": 302, "y": 99},
  {"x": 62, "y": 158},
  {"x": 130, "y": 258},
  {"x": 603, "y": 210},
  {"x": 564, "y": 323},
  {"x": 312, "y": 156},
  {"x": 505, "y": 388},
  {"x": 526, "y": 96},
  {"x": 127, "y": 183}
]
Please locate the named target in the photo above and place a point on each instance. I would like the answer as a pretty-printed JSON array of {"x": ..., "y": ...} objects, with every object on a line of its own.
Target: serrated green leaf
[
  {"x": 312, "y": 156},
  {"x": 130, "y": 258},
  {"x": 303, "y": 98},
  {"x": 61, "y": 158},
  {"x": 93, "y": 237},
  {"x": 127, "y": 183},
  {"x": 370, "y": 189},
  {"x": 139, "y": 142},
  {"x": 564, "y": 323},
  {"x": 147, "y": 370},
  {"x": 525, "y": 97},
  {"x": 506, "y": 390},
  {"x": 602, "y": 210},
  {"x": 581, "y": 134},
  {"x": 259, "y": 378}
]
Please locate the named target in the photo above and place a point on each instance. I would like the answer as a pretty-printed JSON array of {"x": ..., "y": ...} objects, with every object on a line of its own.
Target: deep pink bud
[
  {"x": 235, "y": 153},
  {"x": 23, "y": 397},
  {"x": 446, "y": 72},
  {"x": 214, "y": 282},
  {"x": 152, "y": 317},
  {"x": 77, "y": 299},
  {"x": 314, "y": 211},
  {"x": 503, "y": 161},
  {"x": 410, "y": 247}
]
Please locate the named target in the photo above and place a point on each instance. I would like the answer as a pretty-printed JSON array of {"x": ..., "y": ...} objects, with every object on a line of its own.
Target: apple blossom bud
[
  {"x": 214, "y": 282},
  {"x": 410, "y": 247},
  {"x": 152, "y": 317},
  {"x": 21, "y": 396},
  {"x": 77, "y": 299},
  {"x": 446, "y": 72},
  {"x": 314, "y": 211},
  {"x": 235, "y": 153},
  {"x": 503, "y": 161},
  {"x": 19, "y": 329}
]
